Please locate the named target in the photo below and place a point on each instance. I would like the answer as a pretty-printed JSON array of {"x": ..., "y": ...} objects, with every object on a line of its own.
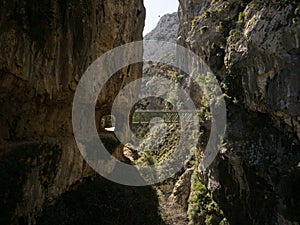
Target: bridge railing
[{"x": 146, "y": 116}]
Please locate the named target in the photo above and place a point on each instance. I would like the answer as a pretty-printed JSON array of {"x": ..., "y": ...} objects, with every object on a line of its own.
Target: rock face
[
  {"x": 45, "y": 48},
  {"x": 166, "y": 29},
  {"x": 253, "y": 48}
]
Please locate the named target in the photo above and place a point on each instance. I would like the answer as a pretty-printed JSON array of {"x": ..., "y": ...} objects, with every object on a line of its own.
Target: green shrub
[
  {"x": 219, "y": 27},
  {"x": 241, "y": 17},
  {"x": 220, "y": 10},
  {"x": 207, "y": 14},
  {"x": 202, "y": 208},
  {"x": 195, "y": 21},
  {"x": 203, "y": 29},
  {"x": 294, "y": 21}
]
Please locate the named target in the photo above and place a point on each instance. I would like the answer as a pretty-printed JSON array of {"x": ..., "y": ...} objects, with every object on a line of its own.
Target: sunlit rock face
[
  {"x": 166, "y": 29},
  {"x": 45, "y": 48},
  {"x": 253, "y": 48}
]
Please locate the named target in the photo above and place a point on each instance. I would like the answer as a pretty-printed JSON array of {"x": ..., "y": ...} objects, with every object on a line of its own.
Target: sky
[{"x": 156, "y": 8}]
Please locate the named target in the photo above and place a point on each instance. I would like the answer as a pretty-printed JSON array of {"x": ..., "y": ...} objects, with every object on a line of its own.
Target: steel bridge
[{"x": 167, "y": 116}]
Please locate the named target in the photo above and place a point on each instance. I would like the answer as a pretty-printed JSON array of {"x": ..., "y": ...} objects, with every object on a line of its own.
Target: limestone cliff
[
  {"x": 253, "y": 48},
  {"x": 166, "y": 29},
  {"x": 45, "y": 48}
]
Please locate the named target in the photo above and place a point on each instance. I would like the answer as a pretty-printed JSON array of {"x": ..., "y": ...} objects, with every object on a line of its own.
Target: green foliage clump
[
  {"x": 220, "y": 10},
  {"x": 296, "y": 14},
  {"x": 241, "y": 17},
  {"x": 195, "y": 21},
  {"x": 233, "y": 34},
  {"x": 207, "y": 14},
  {"x": 203, "y": 29},
  {"x": 219, "y": 27},
  {"x": 294, "y": 21},
  {"x": 213, "y": 46},
  {"x": 202, "y": 208},
  {"x": 147, "y": 158}
]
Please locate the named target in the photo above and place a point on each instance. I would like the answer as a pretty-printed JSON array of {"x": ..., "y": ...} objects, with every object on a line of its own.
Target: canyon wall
[
  {"x": 45, "y": 48},
  {"x": 253, "y": 48}
]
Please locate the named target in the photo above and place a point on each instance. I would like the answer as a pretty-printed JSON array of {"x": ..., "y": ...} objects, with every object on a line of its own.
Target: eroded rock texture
[
  {"x": 166, "y": 29},
  {"x": 253, "y": 48},
  {"x": 45, "y": 48}
]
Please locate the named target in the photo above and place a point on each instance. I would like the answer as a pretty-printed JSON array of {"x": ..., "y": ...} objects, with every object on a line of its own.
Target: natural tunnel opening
[{"x": 108, "y": 123}]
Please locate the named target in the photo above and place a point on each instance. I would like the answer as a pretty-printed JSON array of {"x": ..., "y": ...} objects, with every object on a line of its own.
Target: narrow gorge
[{"x": 251, "y": 46}]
